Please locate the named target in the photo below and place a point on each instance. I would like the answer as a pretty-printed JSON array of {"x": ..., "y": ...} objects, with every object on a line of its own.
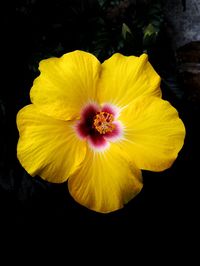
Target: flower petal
[
  {"x": 47, "y": 147},
  {"x": 153, "y": 133},
  {"x": 105, "y": 181},
  {"x": 66, "y": 84},
  {"x": 124, "y": 78}
]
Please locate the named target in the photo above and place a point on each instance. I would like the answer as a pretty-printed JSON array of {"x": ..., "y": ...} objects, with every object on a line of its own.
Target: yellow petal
[
  {"x": 153, "y": 133},
  {"x": 105, "y": 181},
  {"x": 124, "y": 78},
  {"x": 66, "y": 84},
  {"x": 47, "y": 147}
]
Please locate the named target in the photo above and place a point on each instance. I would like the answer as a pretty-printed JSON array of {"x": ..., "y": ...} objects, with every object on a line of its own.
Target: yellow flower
[{"x": 96, "y": 125}]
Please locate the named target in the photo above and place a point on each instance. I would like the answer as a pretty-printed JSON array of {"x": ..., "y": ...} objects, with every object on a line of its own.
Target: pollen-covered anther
[{"x": 103, "y": 122}]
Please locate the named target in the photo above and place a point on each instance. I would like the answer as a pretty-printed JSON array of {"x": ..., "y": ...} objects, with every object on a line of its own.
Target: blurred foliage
[{"x": 101, "y": 27}]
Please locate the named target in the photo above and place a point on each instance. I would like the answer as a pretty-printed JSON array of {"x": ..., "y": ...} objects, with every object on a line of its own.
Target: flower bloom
[{"x": 97, "y": 126}]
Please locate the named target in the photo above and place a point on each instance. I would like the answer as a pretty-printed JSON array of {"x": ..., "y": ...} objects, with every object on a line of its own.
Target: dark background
[{"x": 165, "y": 210}]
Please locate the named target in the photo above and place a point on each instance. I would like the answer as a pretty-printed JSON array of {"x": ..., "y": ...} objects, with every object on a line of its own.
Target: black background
[{"x": 32, "y": 209}]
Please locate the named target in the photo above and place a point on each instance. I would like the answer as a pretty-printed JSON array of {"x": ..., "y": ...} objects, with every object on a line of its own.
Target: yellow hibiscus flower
[{"x": 97, "y": 126}]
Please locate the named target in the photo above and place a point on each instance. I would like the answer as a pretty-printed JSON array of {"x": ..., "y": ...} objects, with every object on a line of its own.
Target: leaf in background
[
  {"x": 126, "y": 31},
  {"x": 102, "y": 2},
  {"x": 150, "y": 35}
]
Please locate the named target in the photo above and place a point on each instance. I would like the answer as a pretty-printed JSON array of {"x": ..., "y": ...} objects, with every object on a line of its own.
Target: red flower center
[{"x": 98, "y": 125}]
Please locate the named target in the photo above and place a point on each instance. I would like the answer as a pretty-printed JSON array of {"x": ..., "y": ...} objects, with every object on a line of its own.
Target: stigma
[{"x": 103, "y": 122}]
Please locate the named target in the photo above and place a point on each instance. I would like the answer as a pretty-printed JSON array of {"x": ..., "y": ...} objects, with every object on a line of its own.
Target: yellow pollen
[{"x": 103, "y": 122}]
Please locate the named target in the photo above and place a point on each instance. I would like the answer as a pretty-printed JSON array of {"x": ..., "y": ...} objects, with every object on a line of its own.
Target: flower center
[{"x": 103, "y": 122}]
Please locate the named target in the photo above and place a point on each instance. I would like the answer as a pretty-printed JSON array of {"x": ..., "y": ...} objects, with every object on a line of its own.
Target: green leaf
[
  {"x": 150, "y": 34},
  {"x": 150, "y": 30},
  {"x": 126, "y": 31}
]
